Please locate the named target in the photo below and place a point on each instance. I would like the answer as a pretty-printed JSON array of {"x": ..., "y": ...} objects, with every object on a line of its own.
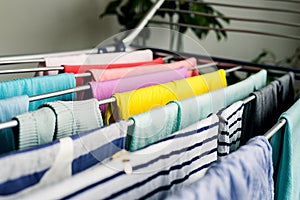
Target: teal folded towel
[
  {"x": 39, "y": 85},
  {"x": 286, "y": 155},
  {"x": 73, "y": 117},
  {"x": 152, "y": 126},
  {"x": 10, "y": 108},
  {"x": 35, "y": 128},
  {"x": 197, "y": 108}
]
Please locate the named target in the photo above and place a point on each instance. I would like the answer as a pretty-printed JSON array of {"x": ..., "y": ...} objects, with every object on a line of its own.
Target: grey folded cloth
[
  {"x": 35, "y": 128},
  {"x": 73, "y": 117}
]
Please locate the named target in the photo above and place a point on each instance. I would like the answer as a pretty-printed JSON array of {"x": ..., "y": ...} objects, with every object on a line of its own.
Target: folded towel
[
  {"x": 196, "y": 108},
  {"x": 84, "y": 67},
  {"x": 152, "y": 126},
  {"x": 10, "y": 108},
  {"x": 105, "y": 89},
  {"x": 73, "y": 117},
  {"x": 104, "y": 74},
  {"x": 141, "y": 100},
  {"x": 35, "y": 128},
  {"x": 39, "y": 85},
  {"x": 286, "y": 155},
  {"x": 92, "y": 59},
  {"x": 244, "y": 174}
]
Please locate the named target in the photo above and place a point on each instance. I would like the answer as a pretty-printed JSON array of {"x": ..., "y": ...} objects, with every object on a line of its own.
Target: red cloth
[{"x": 83, "y": 68}]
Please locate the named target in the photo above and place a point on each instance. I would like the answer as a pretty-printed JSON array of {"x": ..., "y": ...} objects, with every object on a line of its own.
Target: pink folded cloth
[
  {"x": 109, "y": 74},
  {"x": 92, "y": 59},
  {"x": 105, "y": 89}
]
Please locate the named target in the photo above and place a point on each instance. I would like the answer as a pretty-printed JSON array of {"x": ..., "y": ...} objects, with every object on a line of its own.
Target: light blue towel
[
  {"x": 9, "y": 108},
  {"x": 39, "y": 85},
  {"x": 199, "y": 107},
  {"x": 152, "y": 126},
  {"x": 244, "y": 174},
  {"x": 287, "y": 156}
]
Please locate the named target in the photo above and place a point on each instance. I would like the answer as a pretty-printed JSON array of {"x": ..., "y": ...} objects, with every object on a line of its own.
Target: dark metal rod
[
  {"x": 230, "y": 18},
  {"x": 243, "y": 7},
  {"x": 226, "y": 29},
  {"x": 275, "y": 129},
  {"x": 219, "y": 59}
]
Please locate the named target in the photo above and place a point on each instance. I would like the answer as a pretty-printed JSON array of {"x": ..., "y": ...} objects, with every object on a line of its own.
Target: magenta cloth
[{"x": 105, "y": 89}]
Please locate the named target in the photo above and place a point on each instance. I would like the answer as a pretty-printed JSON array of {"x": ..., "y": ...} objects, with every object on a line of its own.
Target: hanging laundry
[
  {"x": 152, "y": 126},
  {"x": 230, "y": 128},
  {"x": 92, "y": 59},
  {"x": 39, "y": 85},
  {"x": 244, "y": 174},
  {"x": 196, "y": 108},
  {"x": 28, "y": 168},
  {"x": 73, "y": 117},
  {"x": 152, "y": 172},
  {"x": 35, "y": 128},
  {"x": 262, "y": 113},
  {"x": 103, "y": 75},
  {"x": 137, "y": 101},
  {"x": 83, "y": 68},
  {"x": 286, "y": 155},
  {"x": 105, "y": 89},
  {"x": 9, "y": 108}
]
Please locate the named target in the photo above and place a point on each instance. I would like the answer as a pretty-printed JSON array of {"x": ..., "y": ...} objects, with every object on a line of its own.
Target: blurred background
[{"x": 38, "y": 26}]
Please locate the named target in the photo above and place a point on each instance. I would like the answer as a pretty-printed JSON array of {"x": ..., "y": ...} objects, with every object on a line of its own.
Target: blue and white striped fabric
[
  {"x": 244, "y": 174},
  {"x": 230, "y": 128},
  {"x": 151, "y": 172},
  {"x": 27, "y": 168}
]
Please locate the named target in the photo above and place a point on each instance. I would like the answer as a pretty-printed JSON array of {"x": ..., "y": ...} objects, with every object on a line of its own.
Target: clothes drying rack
[{"x": 126, "y": 42}]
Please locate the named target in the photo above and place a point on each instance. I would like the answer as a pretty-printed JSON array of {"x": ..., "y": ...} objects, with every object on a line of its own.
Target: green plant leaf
[{"x": 111, "y": 8}]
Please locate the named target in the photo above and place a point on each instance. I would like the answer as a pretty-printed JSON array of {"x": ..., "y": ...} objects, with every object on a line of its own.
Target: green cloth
[
  {"x": 152, "y": 126},
  {"x": 73, "y": 117},
  {"x": 199, "y": 107},
  {"x": 286, "y": 155},
  {"x": 35, "y": 128}
]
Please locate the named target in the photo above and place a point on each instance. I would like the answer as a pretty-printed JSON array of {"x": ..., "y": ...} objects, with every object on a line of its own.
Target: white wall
[{"x": 35, "y": 26}]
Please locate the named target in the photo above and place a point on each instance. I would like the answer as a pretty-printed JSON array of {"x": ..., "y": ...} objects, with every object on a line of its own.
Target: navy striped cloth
[
  {"x": 230, "y": 128},
  {"x": 151, "y": 172},
  {"x": 27, "y": 168}
]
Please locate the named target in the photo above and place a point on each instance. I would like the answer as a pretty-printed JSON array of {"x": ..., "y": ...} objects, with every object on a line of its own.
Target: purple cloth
[{"x": 105, "y": 89}]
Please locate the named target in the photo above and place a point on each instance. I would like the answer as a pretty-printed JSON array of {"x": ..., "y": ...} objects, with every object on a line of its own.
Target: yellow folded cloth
[{"x": 133, "y": 102}]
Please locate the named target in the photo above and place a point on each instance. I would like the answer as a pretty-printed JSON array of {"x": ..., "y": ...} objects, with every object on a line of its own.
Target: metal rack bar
[
  {"x": 275, "y": 128},
  {"x": 226, "y": 29},
  {"x": 243, "y": 7},
  {"x": 230, "y": 18}
]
